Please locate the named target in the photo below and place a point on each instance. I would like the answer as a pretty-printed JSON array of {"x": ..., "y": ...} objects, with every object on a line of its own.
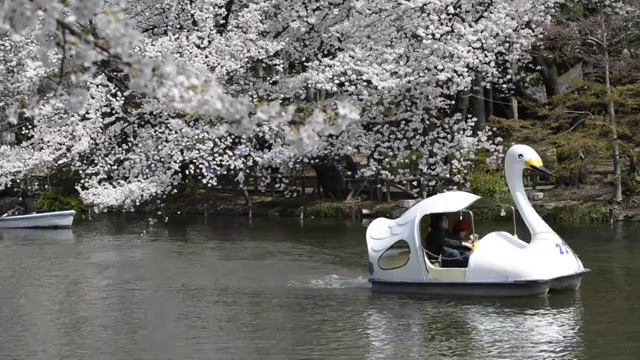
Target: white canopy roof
[{"x": 447, "y": 202}]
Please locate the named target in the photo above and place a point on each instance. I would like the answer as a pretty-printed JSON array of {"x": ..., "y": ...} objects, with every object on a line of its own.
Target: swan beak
[
  {"x": 542, "y": 169},
  {"x": 536, "y": 165}
]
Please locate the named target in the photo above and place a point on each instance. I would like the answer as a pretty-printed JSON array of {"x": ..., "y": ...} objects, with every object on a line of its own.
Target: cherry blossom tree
[{"x": 146, "y": 87}]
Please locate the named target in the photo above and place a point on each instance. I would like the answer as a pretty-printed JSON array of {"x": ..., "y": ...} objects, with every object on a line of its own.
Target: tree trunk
[
  {"x": 477, "y": 103},
  {"x": 549, "y": 73},
  {"x": 617, "y": 191},
  {"x": 488, "y": 95},
  {"x": 521, "y": 92},
  {"x": 633, "y": 166},
  {"x": 462, "y": 104}
]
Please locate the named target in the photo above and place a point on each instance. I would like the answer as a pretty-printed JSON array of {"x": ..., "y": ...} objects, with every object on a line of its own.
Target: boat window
[{"x": 396, "y": 256}]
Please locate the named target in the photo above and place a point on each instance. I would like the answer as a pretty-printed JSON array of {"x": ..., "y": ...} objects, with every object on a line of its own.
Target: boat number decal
[{"x": 563, "y": 249}]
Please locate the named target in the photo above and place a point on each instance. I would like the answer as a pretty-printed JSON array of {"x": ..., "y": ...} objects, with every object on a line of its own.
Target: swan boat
[
  {"x": 55, "y": 219},
  {"x": 501, "y": 265}
]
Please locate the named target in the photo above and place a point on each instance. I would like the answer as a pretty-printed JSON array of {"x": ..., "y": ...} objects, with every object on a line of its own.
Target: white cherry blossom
[{"x": 233, "y": 87}]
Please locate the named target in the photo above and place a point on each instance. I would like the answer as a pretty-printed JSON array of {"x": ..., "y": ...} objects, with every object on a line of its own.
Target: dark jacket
[{"x": 436, "y": 240}]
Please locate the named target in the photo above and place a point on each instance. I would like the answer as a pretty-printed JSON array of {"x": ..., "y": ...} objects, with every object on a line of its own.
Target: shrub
[
  {"x": 492, "y": 185},
  {"x": 576, "y": 214},
  {"x": 324, "y": 210},
  {"x": 55, "y": 202},
  {"x": 630, "y": 184}
]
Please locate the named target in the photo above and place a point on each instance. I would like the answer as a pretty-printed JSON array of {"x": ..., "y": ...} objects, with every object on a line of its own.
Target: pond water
[{"x": 228, "y": 288}]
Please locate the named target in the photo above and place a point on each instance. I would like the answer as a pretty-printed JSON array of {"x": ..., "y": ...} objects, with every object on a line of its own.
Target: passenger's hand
[
  {"x": 473, "y": 238},
  {"x": 467, "y": 244}
]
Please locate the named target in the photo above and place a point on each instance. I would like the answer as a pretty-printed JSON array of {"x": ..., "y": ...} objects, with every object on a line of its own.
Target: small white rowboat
[{"x": 56, "y": 219}]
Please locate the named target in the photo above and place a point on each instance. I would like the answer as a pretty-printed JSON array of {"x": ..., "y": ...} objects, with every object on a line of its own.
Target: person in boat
[
  {"x": 27, "y": 203},
  {"x": 460, "y": 230},
  {"x": 440, "y": 243}
]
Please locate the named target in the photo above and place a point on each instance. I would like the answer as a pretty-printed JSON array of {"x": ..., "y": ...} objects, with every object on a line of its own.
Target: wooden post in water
[
  {"x": 206, "y": 210},
  {"x": 301, "y": 212},
  {"x": 388, "y": 188},
  {"x": 611, "y": 216},
  {"x": 372, "y": 188},
  {"x": 378, "y": 190},
  {"x": 247, "y": 199}
]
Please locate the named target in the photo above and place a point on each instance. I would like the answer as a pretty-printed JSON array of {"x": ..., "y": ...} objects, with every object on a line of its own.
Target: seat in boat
[{"x": 438, "y": 273}]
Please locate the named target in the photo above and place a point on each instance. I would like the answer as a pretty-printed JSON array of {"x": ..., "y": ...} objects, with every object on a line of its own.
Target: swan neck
[{"x": 534, "y": 222}]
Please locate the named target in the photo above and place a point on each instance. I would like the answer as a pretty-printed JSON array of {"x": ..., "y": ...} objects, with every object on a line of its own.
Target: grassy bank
[
  {"x": 558, "y": 205},
  {"x": 587, "y": 204},
  {"x": 575, "y": 214},
  {"x": 570, "y": 205},
  {"x": 217, "y": 204}
]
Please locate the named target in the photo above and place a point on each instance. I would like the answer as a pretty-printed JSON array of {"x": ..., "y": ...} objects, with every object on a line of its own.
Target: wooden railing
[{"x": 378, "y": 188}]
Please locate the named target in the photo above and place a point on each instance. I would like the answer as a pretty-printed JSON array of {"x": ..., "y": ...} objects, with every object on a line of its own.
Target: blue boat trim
[{"x": 517, "y": 283}]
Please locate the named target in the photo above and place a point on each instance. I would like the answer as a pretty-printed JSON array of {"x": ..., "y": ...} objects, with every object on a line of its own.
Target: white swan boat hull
[
  {"x": 511, "y": 289},
  {"x": 501, "y": 255},
  {"x": 568, "y": 282},
  {"x": 500, "y": 265},
  {"x": 57, "y": 219}
]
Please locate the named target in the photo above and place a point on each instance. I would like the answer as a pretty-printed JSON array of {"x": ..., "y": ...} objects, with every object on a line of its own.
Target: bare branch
[{"x": 64, "y": 57}]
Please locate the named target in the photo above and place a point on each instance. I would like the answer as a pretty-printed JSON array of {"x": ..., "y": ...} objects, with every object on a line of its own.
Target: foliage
[
  {"x": 630, "y": 183},
  {"x": 155, "y": 90},
  {"x": 324, "y": 209},
  {"x": 491, "y": 185},
  {"x": 489, "y": 181},
  {"x": 48, "y": 201},
  {"x": 576, "y": 126},
  {"x": 579, "y": 214}
]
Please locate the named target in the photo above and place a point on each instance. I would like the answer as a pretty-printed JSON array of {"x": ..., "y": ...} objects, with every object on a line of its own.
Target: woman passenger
[{"x": 440, "y": 243}]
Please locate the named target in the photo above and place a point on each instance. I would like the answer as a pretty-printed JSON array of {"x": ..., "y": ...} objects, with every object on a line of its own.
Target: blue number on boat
[{"x": 563, "y": 249}]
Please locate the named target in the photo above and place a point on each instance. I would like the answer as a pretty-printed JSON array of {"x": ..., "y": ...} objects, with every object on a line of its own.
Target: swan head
[{"x": 520, "y": 157}]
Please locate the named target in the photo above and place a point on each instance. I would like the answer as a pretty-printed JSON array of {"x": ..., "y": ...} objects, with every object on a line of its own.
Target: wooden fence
[
  {"x": 382, "y": 189},
  {"x": 359, "y": 188}
]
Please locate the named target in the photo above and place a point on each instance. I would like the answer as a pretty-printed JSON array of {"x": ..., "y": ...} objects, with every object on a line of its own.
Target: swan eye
[{"x": 520, "y": 157}]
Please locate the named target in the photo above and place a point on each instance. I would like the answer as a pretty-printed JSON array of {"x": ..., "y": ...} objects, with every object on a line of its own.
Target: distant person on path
[{"x": 351, "y": 167}]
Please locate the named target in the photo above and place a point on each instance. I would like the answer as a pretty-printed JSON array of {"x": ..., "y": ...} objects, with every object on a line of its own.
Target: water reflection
[
  {"x": 61, "y": 235},
  {"x": 400, "y": 327},
  {"x": 226, "y": 288}
]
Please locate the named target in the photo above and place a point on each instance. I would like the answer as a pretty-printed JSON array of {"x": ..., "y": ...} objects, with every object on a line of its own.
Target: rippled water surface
[{"x": 224, "y": 288}]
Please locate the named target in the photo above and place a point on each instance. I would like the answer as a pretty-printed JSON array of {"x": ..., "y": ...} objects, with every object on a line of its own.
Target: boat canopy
[{"x": 449, "y": 202}]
